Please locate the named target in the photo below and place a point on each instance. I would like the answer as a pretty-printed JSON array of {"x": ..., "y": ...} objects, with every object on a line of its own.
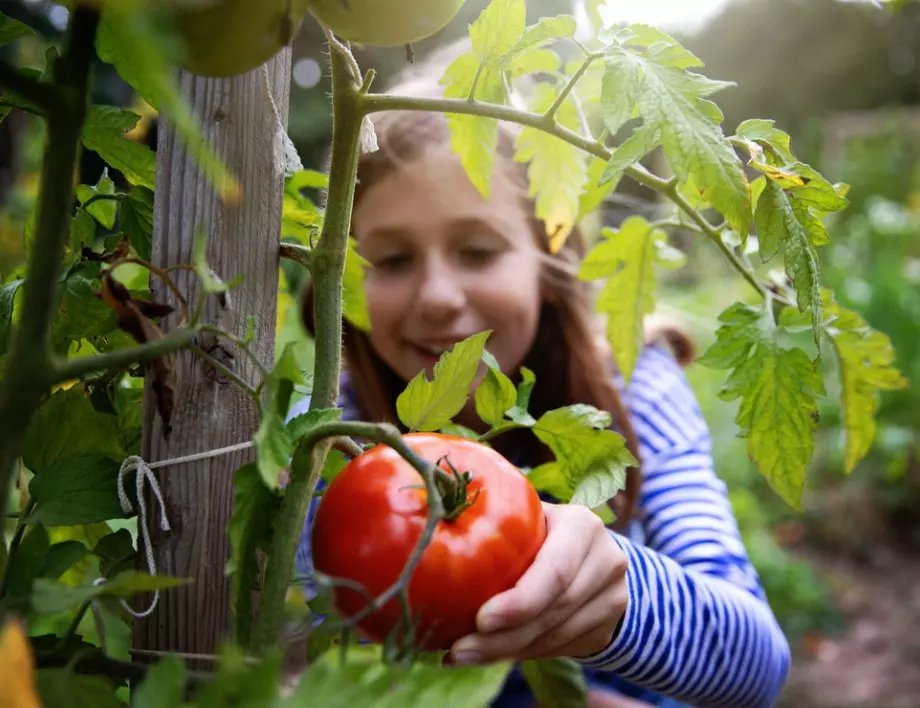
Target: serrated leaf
[
  {"x": 519, "y": 412},
  {"x": 430, "y": 405},
  {"x": 363, "y": 680},
  {"x": 472, "y": 138},
  {"x": 302, "y": 424},
  {"x": 67, "y": 426},
  {"x": 63, "y": 688},
  {"x": 102, "y": 210},
  {"x": 545, "y": 30},
  {"x": 596, "y": 188},
  {"x": 779, "y": 391},
  {"x": 163, "y": 686},
  {"x": 497, "y": 29},
  {"x": 495, "y": 395},
  {"x": 591, "y": 458},
  {"x": 620, "y": 88},
  {"x": 77, "y": 490},
  {"x": 626, "y": 258},
  {"x": 643, "y": 140},
  {"x": 104, "y": 133},
  {"x": 11, "y": 30},
  {"x": 50, "y": 597},
  {"x": 783, "y": 225},
  {"x": 82, "y": 314},
  {"x": 137, "y": 221},
  {"x": 82, "y": 232},
  {"x": 251, "y": 528},
  {"x": 768, "y": 136},
  {"x": 7, "y": 300},
  {"x": 129, "y": 39},
  {"x": 273, "y": 442},
  {"x": 556, "y": 170},
  {"x": 558, "y": 682},
  {"x": 865, "y": 360}
]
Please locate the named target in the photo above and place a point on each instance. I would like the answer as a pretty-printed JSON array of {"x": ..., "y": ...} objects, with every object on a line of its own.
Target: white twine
[
  {"x": 144, "y": 469},
  {"x": 285, "y": 152}
]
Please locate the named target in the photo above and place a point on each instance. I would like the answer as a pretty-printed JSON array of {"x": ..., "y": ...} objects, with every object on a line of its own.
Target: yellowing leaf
[
  {"x": 557, "y": 170},
  {"x": 17, "y": 668},
  {"x": 779, "y": 390},
  {"x": 865, "y": 358},
  {"x": 627, "y": 259}
]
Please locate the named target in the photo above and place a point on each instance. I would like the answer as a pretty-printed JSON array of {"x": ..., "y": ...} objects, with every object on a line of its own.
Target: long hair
[{"x": 569, "y": 356}]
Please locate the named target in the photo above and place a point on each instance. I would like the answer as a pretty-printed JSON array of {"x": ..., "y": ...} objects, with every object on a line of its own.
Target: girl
[{"x": 664, "y": 607}]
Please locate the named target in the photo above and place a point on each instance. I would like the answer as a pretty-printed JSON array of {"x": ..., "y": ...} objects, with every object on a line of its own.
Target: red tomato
[{"x": 372, "y": 515}]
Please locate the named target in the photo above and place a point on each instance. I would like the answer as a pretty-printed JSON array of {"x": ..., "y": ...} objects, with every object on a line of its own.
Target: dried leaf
[{"x": 17, "y": 668}]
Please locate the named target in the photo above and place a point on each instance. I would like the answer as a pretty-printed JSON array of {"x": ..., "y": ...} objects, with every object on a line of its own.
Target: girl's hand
[{"x": 568, "y": 603}]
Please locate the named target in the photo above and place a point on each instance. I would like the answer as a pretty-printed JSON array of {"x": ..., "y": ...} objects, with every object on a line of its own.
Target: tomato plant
[
  {"x": 385, "y": 23},
  {"x": 375, "y": 511}
]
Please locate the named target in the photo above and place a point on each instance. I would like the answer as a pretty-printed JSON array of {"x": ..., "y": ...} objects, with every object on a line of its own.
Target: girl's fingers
[{"x": 569, "y": 538}]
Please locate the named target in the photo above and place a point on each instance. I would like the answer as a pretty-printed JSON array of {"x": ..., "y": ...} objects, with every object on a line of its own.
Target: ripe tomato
[
  {"x": 372, "y": 515},
  {"x": 230, "y": 37},
  {"x": 385, "y": 23}
]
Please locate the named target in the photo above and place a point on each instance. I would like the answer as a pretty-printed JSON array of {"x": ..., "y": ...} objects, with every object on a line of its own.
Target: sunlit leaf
[
  {"x": 274, "y": 445},
  {"x": 104, "y": 133}
]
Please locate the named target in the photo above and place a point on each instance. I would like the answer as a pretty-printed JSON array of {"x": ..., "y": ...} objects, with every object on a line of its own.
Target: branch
[
  {"x": 227, "y": 373},
  {"x": 44, "y": 96},
  {"x": 26, "y": 376},
  {"x": 374, "y": 103},
  {"x": 297, "y": 253},
  {"x": 550, "y": 115},
  {"x": 77, "y": 367}
]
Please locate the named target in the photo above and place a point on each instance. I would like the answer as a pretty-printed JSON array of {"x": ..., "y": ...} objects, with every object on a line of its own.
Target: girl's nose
[{"x": 440, "y": 294}]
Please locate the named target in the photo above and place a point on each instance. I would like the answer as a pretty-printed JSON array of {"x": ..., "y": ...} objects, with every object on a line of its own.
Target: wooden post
[{"x": 211, "y": 412}]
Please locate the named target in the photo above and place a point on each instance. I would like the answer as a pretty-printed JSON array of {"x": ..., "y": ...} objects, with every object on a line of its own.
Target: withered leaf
[{"x": 133, "y": 317}]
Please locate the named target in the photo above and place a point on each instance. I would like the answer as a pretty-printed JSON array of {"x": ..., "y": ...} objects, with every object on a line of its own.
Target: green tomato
[
  {"x": 230, "y": 37},
  {"x": 385, "y": 23}
]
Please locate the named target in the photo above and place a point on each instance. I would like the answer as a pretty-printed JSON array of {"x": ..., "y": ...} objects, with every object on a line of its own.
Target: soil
[{"x": 875, "y": 662}]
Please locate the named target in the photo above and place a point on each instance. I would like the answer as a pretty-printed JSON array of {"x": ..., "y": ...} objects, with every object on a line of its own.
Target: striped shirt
[{"x": 698, "y": 628}]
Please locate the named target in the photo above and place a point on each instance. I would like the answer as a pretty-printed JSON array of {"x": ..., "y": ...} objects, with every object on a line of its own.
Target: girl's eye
[
  {"x": 479, "y": 255},
  {"x": 393, "y": 263}
]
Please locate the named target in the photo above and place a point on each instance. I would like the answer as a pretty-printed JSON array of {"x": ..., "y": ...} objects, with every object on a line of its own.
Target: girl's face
[{"x": 446, "y": 264}]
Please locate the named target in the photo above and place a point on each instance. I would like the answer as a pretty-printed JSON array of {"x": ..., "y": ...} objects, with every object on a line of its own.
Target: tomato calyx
[{"x": 453, "y": 489}]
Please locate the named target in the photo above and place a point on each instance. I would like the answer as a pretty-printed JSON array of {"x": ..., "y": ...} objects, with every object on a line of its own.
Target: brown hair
[{"x": 567, "y": 338}]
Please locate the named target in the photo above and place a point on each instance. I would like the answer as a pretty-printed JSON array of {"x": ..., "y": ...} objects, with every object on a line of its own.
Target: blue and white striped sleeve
[{"x": 698, "y": 627}]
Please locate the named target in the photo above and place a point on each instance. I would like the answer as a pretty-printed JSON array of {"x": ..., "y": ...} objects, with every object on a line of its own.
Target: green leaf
[
  {"x": 131, "y": 41},
  {"x": 556, "y": 170},
  {"x": 672, "y": 99},
  {"x": 104, "y": 133},
  {"x": 495, "y": 395},
  {"x": 11, "y": 30},
  {"x": 102, "y": 210},
  {"x": 534, "y": 61},
  {"x": 429, "y": 405},
  {"x": 7, "y": 299},
  {"x": 592, "y": 459},
  {"x": 67, "y": 426},
  {"x": 519, "y": 413},
  {"x": 241, "y": 683},
  {"x": 596, "y": 188},
  {"x": 782, "y": 225},
  {"x": 116, "y": 553},
  {"x": 62, "y": 688},
  {"x": 545, "y": 30},
  {"x": 627, "y": 259},
  {"x": 865, "y": 361},
  {"x": 77, "y": 490},
  {"x": 643, "y": 140},
  {"x": 251, "y": 528},
  {"x": 497, "y": 29},
  {"x": 164, "y": 685},
  {"x": 766, "y": 135},
  {"x": 474, "y": 139},
  {"x": 50, "y": 597},
  {"x": 362, "y": 680},
  {"x": 137, "y": 221},
  {"x": 354, "y": 296},
  {"x": 273, "y": 442},
  {"x": 558, "y": 682},
  {"x": 61, "y": 558},
  {"x": 82, "y": 232},
  {"x": 302, "y": 424},
  {"x": 210, "y": 281},
  {"x": 620, "y": 88},
  {"x": 779, "y": 391},
  {"x": 82, "y": 314},
  {"x": 26, "y": 564}
]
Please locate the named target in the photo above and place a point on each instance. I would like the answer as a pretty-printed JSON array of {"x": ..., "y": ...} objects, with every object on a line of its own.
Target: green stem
[
  {"x": 14, "y": 545},
  {"x": 79, "y": 367},
  {"x": 384, "y": 102},
  {"x": 43, "y": 96},
  {"x": 240, "y": 343},
  {"x": 550, "y": 115},
  {"x": 29, "y": 365}
]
